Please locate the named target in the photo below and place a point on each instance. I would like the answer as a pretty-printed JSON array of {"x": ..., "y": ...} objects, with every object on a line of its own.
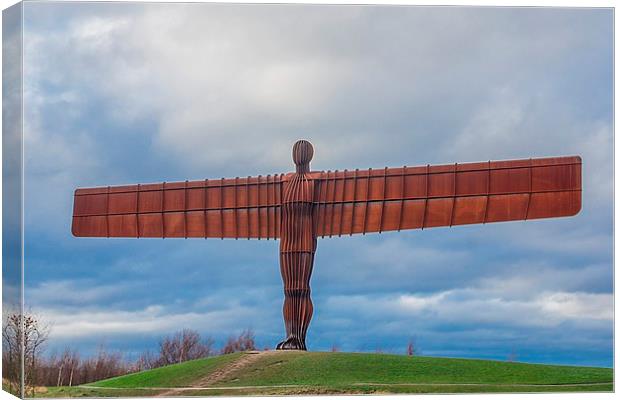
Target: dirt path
[{"x": 220, "y": 373}]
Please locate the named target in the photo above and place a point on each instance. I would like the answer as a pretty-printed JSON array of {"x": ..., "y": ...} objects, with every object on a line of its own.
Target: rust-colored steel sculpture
[
  {"x": 297, "y": 247},
  {"x": 299, "y": 207}
]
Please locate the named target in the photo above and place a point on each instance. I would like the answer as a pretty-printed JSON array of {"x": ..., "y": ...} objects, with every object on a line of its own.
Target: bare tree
[
  {"x": 23, "y": 335},
  {"x": 104, "y": 364},
  {"x": 183, "y": 346},
  {"x": 67, "y": 366},
  {"x": 243, "y": 342},
  {"x": 11, "y": 352},
  {"x": 147, "y": 360},
  {"x": 69, "y": 369}
]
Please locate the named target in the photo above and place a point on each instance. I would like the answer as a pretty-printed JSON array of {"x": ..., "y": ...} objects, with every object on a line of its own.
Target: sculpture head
[{"x": 302, "y": 155}]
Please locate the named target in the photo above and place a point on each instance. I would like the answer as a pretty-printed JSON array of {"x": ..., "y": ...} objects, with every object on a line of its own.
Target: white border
[{"x": 542, "y": 3}]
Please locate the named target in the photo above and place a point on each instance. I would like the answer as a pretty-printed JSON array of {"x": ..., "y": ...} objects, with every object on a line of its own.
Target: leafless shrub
[
  {"x": 69, "y": 369},
  {"x": 67, "y": 366},
  {"x": 183, "y": 346},
  {"x": 147, "y": 360},
  {"x": 243, "y": 342},
  {"x": 27, "y": 332}
]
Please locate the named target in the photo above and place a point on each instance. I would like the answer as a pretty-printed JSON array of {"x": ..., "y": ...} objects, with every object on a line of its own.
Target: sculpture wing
[
  {"x": 221, "y": 208},
  {"x": 364, "y": 201}
]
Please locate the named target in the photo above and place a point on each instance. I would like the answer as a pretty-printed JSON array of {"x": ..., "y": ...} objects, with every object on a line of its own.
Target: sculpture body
[
  {"x": 297, "y": 247},
  {"x": 300, "y": 207}
]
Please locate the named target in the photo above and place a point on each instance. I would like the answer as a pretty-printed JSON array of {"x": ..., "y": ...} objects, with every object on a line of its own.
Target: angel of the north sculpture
[{"x": 301, "y": 206}]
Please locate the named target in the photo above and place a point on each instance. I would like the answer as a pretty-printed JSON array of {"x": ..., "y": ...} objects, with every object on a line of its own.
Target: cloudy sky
[{"x": 128, "y": 93}]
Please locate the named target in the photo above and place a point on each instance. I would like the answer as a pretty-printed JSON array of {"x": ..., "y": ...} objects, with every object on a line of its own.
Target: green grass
[
  {"x": 176, "y": 375},
  {"x": 299, "y": 368},
  {"x": 395, "y": 389},
  {"x": 78, "y": 391},
  {"x": 323, "y": 390},
  {"x": 349, "y": 373}
]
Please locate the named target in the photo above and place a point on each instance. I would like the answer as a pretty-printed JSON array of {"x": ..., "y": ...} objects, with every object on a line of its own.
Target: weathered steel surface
[
  {"x": 212, "y": 208},
  {"x": 297, "y": 247},
  {"x": 363, "y": 201},
  {"x": 301, "y": 206}
]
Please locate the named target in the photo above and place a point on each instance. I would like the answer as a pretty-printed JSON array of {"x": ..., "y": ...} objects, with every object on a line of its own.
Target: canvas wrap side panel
[
  {"x": 213, "y": 208},
  {"x": 378, "y": 200}
]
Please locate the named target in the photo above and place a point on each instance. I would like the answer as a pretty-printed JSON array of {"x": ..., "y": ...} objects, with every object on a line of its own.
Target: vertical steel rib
[
  {"x": 206, "y": 203},
  {"x": 222, "y": 208},
  {"x": 137, "y": 212},
  {"x": 426, "y": 196},
  {"x": 402, "y": 198},
  {"x": 317, "y": 204},
  {"x": 486, "y": 204},
  {"x": 273, "y": 209},
  {"x": 333, "y": 205},
  {"x": 163, "y": 210},
  {"x": 367, "y": 201},
  {"x": 383, "y": 200},
  {"x": 453, "y": 195},
  {"x": 344, "y": 186},
  {"x": 353, "y": 201},
  {"x": 325, "y": 201},
  {"x": 267, "y": 205},
  {"x": 247, "y": 203},
  {"x": 258, "y": 208},
  {"x": 185, "y": 202},
  {"x": 235, "y": 219},
  {"x": 529, "y": 197},
  {"x": 281, "y": 201},
  {"x": 107, "y": 212}
]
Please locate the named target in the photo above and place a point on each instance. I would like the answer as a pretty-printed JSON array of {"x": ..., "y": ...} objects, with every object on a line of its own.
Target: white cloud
[
  {"x": 152, "y": 320},
  {"x": 74, "y": 292},
  {"x": 97, "y": 32},
  {"x": 467, "y": 306},
  {"x": 578, "y": 305}
]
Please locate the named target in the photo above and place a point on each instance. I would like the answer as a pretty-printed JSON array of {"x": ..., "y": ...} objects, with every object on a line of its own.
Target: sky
[{"x": 136, "y": 93}]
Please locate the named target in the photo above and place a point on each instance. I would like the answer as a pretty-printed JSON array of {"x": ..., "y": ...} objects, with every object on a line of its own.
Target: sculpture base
[{"x": 292, "y": 343}]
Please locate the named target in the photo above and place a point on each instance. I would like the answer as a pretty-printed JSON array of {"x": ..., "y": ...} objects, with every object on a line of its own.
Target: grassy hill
[{"x": 263, "y": 373}]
